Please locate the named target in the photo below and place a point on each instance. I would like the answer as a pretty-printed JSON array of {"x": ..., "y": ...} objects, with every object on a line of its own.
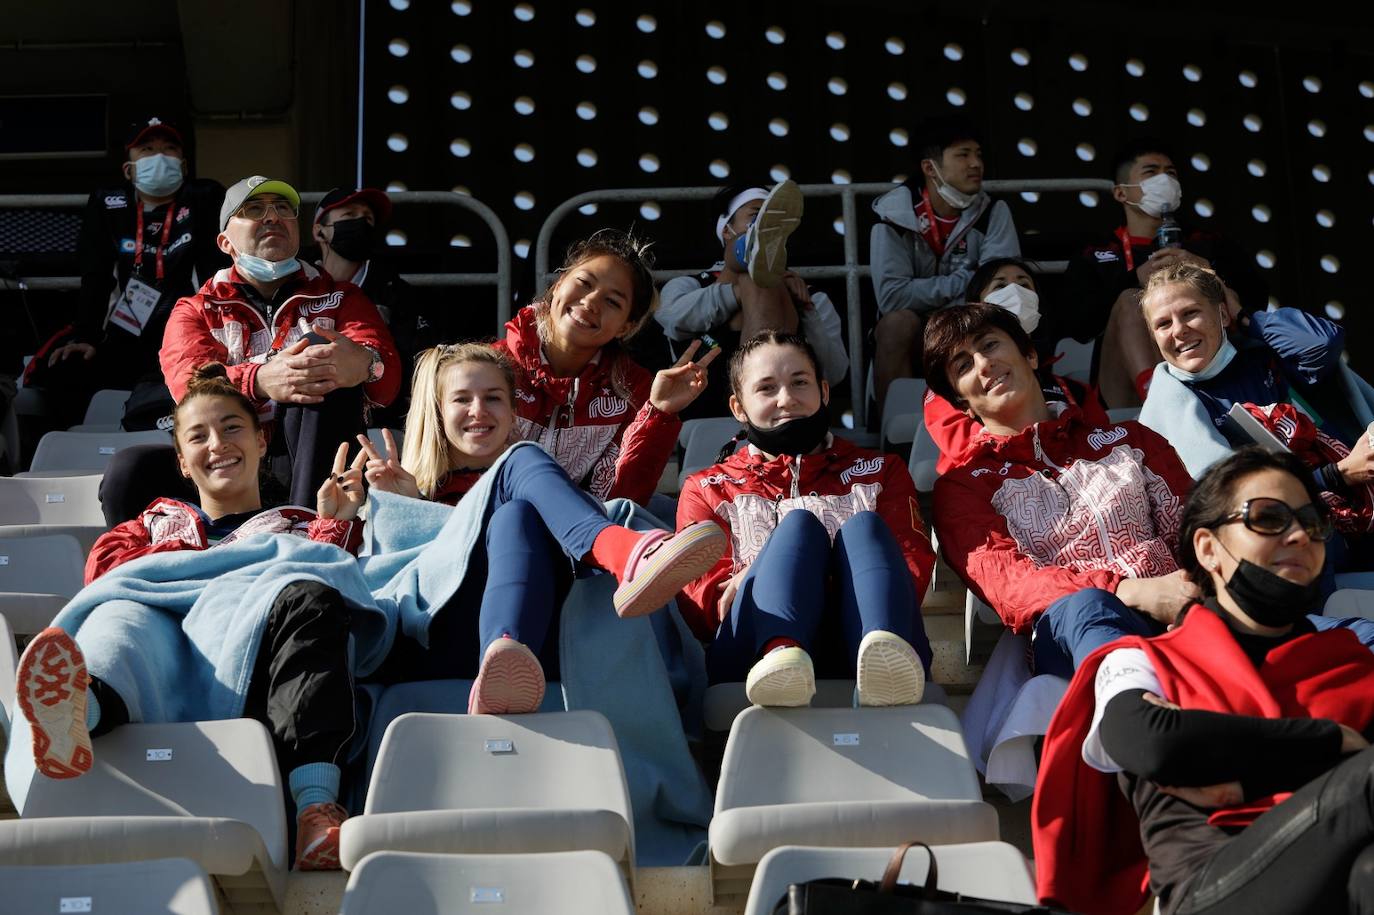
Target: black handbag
[{"x": 834, "y": 896}]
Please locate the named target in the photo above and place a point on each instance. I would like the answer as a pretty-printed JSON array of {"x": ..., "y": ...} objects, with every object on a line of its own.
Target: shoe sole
[
  {"x": 510, "y": 682},
  {"x": 679, "y": 562},
  {"x": 322, "y": 854},
  {"x": 889, "y": 673},
  {"x": 786, "y": 686},
  {"x": 52, "y": 685},
  {"x": 779, "y": 218}
]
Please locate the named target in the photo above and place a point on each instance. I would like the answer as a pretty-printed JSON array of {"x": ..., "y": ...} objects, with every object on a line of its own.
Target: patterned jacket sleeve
[
  {"x": 346, "y": 535},
  {"x": 646, "y": 443},
  {"x": 979, "y": 547},
  {"x": 361, "y": 322},
  {"x": 1169, "y": 491},
  {"x": 123, "y": 543},
  {"x": 898, "y": 507},
  {"x": 698, "y": 601}
]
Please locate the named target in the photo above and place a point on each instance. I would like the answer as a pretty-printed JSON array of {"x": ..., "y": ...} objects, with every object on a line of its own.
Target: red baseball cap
[
  {"x": 142, "y": 130},
  {"x": 376, "y": 200}
]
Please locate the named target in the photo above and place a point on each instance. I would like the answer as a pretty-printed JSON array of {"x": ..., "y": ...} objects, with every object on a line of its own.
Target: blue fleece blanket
[{"x": 1175, "y": 412}]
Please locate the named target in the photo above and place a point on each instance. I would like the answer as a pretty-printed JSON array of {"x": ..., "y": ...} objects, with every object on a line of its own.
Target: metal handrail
[
  {"x": 501, "y": 278},
  {"x": 851, "y": 269}
]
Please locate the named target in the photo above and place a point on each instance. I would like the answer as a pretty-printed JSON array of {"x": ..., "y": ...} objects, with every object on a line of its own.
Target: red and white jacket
[
  {"x": 1074, "y": 502},
  {"x": 748, "y": 496},
  {"x": 219, "y": 324},
  {"x": 598, "y": 425},
  {"x": 167, "y": 526}
]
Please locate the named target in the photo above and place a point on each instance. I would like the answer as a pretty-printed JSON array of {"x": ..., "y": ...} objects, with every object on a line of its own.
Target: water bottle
[{"x": 1170, "y": 233}]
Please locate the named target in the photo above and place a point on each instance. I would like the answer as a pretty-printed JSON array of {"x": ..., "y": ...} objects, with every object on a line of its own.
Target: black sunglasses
[{"x": 1273, "y": 517}]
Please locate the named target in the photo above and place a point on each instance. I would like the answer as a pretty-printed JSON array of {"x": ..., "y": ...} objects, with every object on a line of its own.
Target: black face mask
[
  {"x": 1269, "y": 599},
  {"x": 353, "y": 239},
  {"x": 796, "y": 436}
]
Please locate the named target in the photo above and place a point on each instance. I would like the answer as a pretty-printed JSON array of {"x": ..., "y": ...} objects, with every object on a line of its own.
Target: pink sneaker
[
  {"x": 52, "y": 696},
  {"x": 510, "y": 681},
  {"x": 663, "y": 563},
  {"x": 317, "y": 837}
]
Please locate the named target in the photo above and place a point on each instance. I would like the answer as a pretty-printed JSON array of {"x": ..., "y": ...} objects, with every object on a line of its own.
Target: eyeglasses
[
  {"x": 1273, "y": 517},
  {"x": 258, "y": 209}
]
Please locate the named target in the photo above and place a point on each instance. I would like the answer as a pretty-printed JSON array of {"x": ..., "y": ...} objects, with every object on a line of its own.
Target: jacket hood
[{"x": 898, "y": 207}]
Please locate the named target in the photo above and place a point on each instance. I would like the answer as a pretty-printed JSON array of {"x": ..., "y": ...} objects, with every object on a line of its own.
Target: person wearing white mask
[
  {"x": 935, "y": 229},
  {"x": 1010, "y": 284},
  {"x": 310, "y": 352},
  {"x": 143, "y": 244},
  {"x": 1104, "y": 282}
]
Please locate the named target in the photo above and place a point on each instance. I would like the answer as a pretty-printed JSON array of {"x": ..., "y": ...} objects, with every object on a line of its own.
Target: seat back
[
  {"x": 702, "y": 443},
  {"x": 905, "y": 399},
  {"x": 88, "y": 451},
  {"x": 173, "y": 885},
  {"x": 41, "y": 565},
  {"x": 9, "y": 672},
  {"x": 571, "y": 882},
  {"x": 925, "y": 455},
  {"x": 1350, "y": 602},
  {"x": 106, "y": 408},
  {"x": 1076, "y": 361},
  {"x": 66, "y": 500},
  {"x": 374, "y": 436}
]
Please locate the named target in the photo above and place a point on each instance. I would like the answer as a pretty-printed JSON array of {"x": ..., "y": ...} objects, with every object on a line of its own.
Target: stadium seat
[
  {"x": 988, "y": 870},
  {"x": 37, "y": 506},
  {"x": 702, "y": 440},
  {"x": 976, "y": 610},
  {"x": 1121, "y": 414},
  {"x": 82, "y": 452},
  {"x": 902, "y": 410},
  {"x": 724, "y": 701},
  {"x": 106, "y": 408},
  {"x": 1076, "y": 360},
  {"x": 38, "y": 575},
  {"x": 208, "y": 791},
  {"x": 841, "y": 778},
  {"x": 571, "y": 882},
  {"x": 485, "y": 784},
  {"x": 924, "y": 457},
  {"x": 435, "y": 696},
  {"x": 172, "y": 885},
  {"x": 375, "y": 437},
  {"x": 9, "y": 672},
  {"x": 1350, "y": 602}
]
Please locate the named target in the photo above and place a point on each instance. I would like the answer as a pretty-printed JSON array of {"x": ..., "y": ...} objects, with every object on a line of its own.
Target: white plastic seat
[
  {"x": 841, "y": 778},
  {"x": 1121, "y": 414},
  {"x": 88, "y": 452},
  {"x": 902, "y": 410},
  {"x": 9, "y": 672},
  {"x": 38, "y": 575},
  {"x": 724, "y": 701},
  {"x": 702, "y": 440},
  {"x": 925, "y": 454},
  {"x": 1350, "y": 602},
  {"x": 375, "y": 437},
  {"x": 173, "y": 885},
  {"x": 1076, "y": 359},
  {"x": 37, "y": 506},
  {"x": 485, "y": 784},
  {"x": 987, "y": 870},
  {"x": 568, "y": 882},
  {"x": 106, "y": 408},
  {"x": 209, "y": 791}
]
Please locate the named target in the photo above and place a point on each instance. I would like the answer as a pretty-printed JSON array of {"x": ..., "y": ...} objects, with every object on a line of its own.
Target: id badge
[{"x": 135, "y": 306}]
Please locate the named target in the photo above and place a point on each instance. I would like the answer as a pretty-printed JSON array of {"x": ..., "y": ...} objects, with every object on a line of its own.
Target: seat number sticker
[
  {"x": 499, "y": 745},
  {"x": 54, "y": 497},
  {"x": 160, "y": 755},
  {"x": 74, "y": 904},
  {"x": 845, "y": 740},
  {"x": 488, "y": 894}
]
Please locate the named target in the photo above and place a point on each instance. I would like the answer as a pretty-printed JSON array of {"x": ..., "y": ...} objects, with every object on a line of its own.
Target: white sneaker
[
  {"x": 890, "y": 673},
  {"x": 783, "y": 677},
  {"x": 765, "y": 246}
]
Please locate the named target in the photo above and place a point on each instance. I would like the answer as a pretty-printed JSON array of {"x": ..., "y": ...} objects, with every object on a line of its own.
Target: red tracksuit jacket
[{"x": 747, "y": 496}]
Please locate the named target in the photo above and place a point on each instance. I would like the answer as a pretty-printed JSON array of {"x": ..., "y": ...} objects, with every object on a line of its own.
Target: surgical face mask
[
  {"x": 1160, "y": 194},
  {"x": 1020, "y": 301},
  {"x": 951, "y": 195},
  {"x": 796, "y": 436},
  {"x": 265, "y": 271},
  {"x": 1223, "y": 358},
  {"x": 158, "y": 176},
  {"x": 353, "y": 239},
  {"x": 1269, "y": 599}
]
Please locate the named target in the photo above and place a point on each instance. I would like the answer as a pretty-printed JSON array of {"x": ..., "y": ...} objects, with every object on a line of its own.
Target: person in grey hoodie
[{"x": 933, "y": 232}]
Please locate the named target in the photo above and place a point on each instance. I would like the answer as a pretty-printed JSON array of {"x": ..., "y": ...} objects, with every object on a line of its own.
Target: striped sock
[{"x": 314, "y": 783}]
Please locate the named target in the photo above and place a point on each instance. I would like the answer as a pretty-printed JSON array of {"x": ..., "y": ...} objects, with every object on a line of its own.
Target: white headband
[{"x": 739, "y": 200}]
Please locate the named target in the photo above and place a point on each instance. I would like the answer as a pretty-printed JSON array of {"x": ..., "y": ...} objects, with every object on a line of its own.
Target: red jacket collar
[
  {"x": 527, "y": 351},
  {"x": 1073, "y": 420}
]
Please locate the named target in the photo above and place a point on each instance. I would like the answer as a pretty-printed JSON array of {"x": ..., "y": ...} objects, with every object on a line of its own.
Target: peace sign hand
[
  {"x": 386, "y": 473},
  {"x": 342, "y": 493},
  {"x": 675, "y": 388}
]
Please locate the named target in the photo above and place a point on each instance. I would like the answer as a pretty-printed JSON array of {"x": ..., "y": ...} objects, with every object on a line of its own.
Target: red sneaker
[
  {"x": 662, "y": 564},
  {"x": 317, "y": 837},
  {"x": 510, "y": 681},
  {"x": 52, "y": 695}
]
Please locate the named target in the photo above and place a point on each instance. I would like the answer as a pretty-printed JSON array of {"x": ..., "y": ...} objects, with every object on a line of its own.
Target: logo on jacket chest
[
  {"x": 522, "y": 395},
  {"x": 1099, "y": 439},
  {"x": 317, "y": 304},
  {"x": 605, "y": 406},
  {"x": 863, "y": 467}
]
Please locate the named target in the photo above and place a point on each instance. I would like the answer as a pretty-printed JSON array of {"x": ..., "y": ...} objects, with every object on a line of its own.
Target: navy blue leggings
[{"x": 784, "y": 595}]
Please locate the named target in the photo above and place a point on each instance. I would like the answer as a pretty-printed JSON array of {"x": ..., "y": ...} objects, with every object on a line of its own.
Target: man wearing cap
[
  {"x": 730, "y": 301},
  {"x": 310, "y": 352},
  {"x": 143, "y": 245},
  {"x": 347, "y": 227}
]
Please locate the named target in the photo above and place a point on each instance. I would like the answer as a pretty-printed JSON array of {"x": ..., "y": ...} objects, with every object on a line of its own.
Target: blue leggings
[
  {"x": 1076, "y": 625},
  {"x": 516, "y": 577},
  {"x": 785, "y": 591}
]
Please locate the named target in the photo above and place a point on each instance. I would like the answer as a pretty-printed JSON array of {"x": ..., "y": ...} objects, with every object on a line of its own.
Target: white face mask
[
  {"x": 1160, "y": 194},
  {"x": 951, "y": 195},
  {"x": 157, "y": 176},
  {"x": 1020, "y": 301}
]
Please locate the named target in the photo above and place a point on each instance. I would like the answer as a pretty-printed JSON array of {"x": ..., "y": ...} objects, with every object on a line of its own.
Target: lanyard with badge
[{"x": 140, "y": 298}]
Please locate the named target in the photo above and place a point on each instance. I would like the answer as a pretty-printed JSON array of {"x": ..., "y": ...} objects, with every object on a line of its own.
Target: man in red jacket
[
  {"x": 1062, "y": 521},
  {"x": 310, "y": 353}
]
